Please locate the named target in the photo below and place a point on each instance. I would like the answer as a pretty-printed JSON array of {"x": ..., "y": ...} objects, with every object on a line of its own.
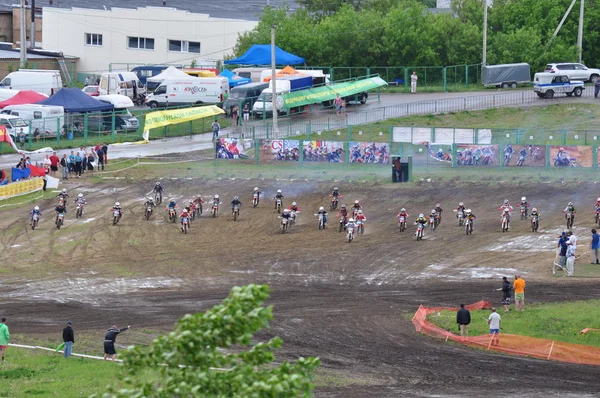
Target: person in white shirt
[
  {"x": 413, "y": 83},
  {"x": 494, "y": 322},
  {"x": 572, "y": 240},
  {"x": 571, "y": 246}
]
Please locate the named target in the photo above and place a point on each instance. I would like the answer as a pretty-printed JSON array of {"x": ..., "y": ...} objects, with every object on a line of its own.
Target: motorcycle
[
  {"x": 60, "y": 219},
  {"x": 523, "y": 212},
  {"x": 461, "y": 217},
  {"x": 321, "y": 221},
  {"x": 185, "y": 225},
  {"x": 507, "y": 157},
  {"x": 148, "y": 212},
  {"x": 198, "y": 209},
  {"x": 158, "y": 198},
  {"x": 597, "y": 216},
  {"x": 433, "y": 222},
  {"x": 236, "y": 212},
  {"x": 566, "y": 162},
  {"x": 505, "y": 223},
  {"x": 401, "y": 223},
  {"x": 570, "y": 219},
  {"x": 172, "y": 214},
  {"x": 334, "y": 202},
  {"x": 214, "y": 210},
  {"x": 116, "y": 216},
  {"x": 360, "y": 227},
  {"x": 294, "y": 216},
  {"x": 343, "y": 222},
  {"x": 521, "y": 160},
  {"x": 468, "y": 226},
  {"x": 255, "y": 199},
  {"x": 350, "y": 233},
  {"x": 284, "y": 225},
  {"x": 535, "y": 224},
  {"x": 419, "y": 232},
  {"x": 278, "y": 205},
  {"x": 79, "y": 210},
  {"x": 34, "y": 220}
]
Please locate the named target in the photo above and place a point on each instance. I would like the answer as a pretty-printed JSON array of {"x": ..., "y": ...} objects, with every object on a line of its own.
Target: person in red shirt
[{"x": 54, "y": 161}]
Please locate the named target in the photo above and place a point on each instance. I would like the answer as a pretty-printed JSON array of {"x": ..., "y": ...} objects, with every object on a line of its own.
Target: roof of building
[
  {"x": 234, "y": 9},
  {"x": 35, "y": 54}
]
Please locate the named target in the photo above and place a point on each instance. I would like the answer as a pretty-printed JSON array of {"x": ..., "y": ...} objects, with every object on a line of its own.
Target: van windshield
[
  {"x": 265, "y": 97},
  {"x": 5, "y": 82},
  {"x": 18, "y": 122},
  {"x": 237, "y": 95}
]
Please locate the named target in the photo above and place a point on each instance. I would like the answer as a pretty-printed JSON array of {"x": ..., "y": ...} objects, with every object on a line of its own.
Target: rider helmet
[
  {"x": 294, "y": 204},
  {"x": 523, "y": 199},
  {"x": 421, "y": 215},
  {"x": 437, "y": 205},
  {"x": 468, "y": 211},
  {"x": 36, "y": 208},
  {"x": 80, "y": 195},
  {"x": 570, "y": 203},
  {"x": 402, "y": 210},
  {"x": 335, "y": 189},
  {"x": 534, "y": 210},
  {"x": 598, "y": 200},
  {"x": 343, "y": 206},
  {"x": 157, "y": 183},
  {"x": 461, "y": 204},
  {"x": 279, "y": 191},
  {"x": 356, "y": 202},
  {"x": 64, "y": 190},
  {"x": 256, "y": 188},
  {"x": 235, "y": 198},
  {"x": 351, "y": 220},
  {"x": 505, "y": 201},
  {"x": 433, "y": 211},
  {"x": 321, "y": 208},
  {"x": 117, "y": 204},
  {"x": 360, "y": 212},
  {"x": 216, "y": 196}
]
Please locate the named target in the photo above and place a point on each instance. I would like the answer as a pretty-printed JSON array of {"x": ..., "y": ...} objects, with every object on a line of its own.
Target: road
[{"x": 389, "y": 106}]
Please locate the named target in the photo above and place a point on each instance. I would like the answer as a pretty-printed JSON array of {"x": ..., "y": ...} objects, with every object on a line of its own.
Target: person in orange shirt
[{"x": 519, "y": 286}]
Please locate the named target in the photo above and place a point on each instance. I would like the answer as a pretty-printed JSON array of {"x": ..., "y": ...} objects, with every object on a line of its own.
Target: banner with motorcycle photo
[
  {"x": 524, "y": 155},
  {"x": 273, "y": 151},
  {"x": 369, "y": 152},
  {"x": 233, "y": 148},
  {"x": 571, "y": 156},
  {"x": 477, "y": 155}
]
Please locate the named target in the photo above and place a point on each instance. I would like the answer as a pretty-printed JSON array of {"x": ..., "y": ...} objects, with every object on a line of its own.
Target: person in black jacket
[
  {"x": 506, "y": 287},
  {"x": 68, "y": 339},
  {"x": 463, "y": 318},
  {"x": 109, "y": 341}
]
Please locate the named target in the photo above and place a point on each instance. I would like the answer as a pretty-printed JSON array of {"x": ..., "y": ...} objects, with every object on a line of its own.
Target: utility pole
[
  {"x": 485, "y": 18},
  {"x": 23, "y": 32},
  {"x": 32, "y": 34},
  {"x": 580, "y": 32},
  {"x": 273, "y": 83}
]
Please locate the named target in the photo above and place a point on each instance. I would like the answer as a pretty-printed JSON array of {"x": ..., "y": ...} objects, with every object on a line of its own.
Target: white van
[
  {"x": 122, "y": 83},
  {"x": 124, "y": 120},
  {"x": 47, "y": 120},
  {"x": 43, "y": 81},
  {"x": 264, "y": 103},
  {"x": 14, "y": 125},
  {"x": 189, "y": 91},
  {"x": 252, "y": 73}
]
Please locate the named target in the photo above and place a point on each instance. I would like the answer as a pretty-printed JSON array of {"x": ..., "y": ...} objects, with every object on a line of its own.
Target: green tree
[{"x": 205, "y": 356}]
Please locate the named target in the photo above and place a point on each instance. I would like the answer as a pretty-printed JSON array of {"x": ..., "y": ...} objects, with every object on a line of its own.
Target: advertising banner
[
  {"x": 441, "y": 135},
  {"x": 524, "y": 155},
  {"x": 477, "y": 155},
  {"x": 571, "y": 156},
  {"x": 323, "y": 151},
  {"x": 369, "y": 152},
  {"x": 279, "y": 151},
  {"x": 175, "y": 116},
  {"x": 232, "y": 148},
  {"x": 21, "y": 188},
  {"x": 317, "y": 95},
  {"x": 441, "y": 153}
]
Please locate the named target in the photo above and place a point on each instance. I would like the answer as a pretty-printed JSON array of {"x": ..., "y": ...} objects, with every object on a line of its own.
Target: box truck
[{"x": 189, "y": 91}]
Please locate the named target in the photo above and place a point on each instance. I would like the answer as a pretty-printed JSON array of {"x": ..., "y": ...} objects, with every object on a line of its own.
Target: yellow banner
[
  {"x": 175, "y": 116},
  {"x": 20, "y": 188}
]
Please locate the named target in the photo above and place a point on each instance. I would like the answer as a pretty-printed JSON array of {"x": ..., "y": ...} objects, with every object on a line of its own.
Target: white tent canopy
[{"x": 169, "y": 73}]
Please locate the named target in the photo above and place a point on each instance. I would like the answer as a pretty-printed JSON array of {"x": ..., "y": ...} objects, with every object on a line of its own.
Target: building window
[
  {"x": 93, "y": 39},
  {"x": 142, "y": 43},
  {"x": 184, "y": 46}
]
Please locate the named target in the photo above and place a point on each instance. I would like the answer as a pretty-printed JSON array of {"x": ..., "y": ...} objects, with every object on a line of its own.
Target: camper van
[
  {"x": 124, "y": 120},
  {"x": 250, "y": 73},
  {"x": 122, "y": 83},
  {"x": 43, "y": 81},
  {"x": 14, "y": 126},
  {"x": 189, "y": 91},
  {"x": 45, "y": 119},
  {"x": 242, "y": 95}
]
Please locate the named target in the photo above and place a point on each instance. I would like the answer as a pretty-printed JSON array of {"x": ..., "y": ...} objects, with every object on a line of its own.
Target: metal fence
[{"x": 293, "y": 127}]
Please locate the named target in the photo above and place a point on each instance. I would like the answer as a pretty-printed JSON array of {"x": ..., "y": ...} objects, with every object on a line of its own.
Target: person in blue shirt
[
  {"x": 78, "y": 164},
  {"x": 595, "y": 247}
]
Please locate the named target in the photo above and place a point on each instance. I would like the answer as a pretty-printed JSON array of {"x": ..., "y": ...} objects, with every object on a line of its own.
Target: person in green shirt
[{"x": 4, "y": 336}]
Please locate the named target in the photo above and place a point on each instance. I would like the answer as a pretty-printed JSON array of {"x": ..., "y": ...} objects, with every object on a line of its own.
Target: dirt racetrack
[{"x": 349, "y": 304}]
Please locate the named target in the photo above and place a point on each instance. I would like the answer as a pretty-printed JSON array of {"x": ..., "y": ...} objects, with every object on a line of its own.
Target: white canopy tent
[{"x": 169, "y": 73}]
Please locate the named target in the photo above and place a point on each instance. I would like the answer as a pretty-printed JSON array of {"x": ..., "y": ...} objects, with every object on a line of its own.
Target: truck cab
[
  {"x": 14, "y": 126},
  {"x": 546, "y": 85}
]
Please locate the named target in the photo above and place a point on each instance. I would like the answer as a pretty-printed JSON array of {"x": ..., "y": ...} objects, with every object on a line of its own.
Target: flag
[
  {"x": 36, "y": 171},
  {"x": 19, "y": 174},
  {"x": 4, "y": 137}
]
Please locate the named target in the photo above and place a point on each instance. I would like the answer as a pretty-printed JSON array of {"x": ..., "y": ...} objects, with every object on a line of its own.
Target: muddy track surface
[{"x": 349, "y": 304}]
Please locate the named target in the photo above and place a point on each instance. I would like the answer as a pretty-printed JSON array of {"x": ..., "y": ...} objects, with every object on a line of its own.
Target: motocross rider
[
  {"x": 524, "y": 203},
  {"x": 469, "y": 215},
  {"x": 523, "y": 152},
  {"x": 117, "y": 206},
  {"x": 534, "y": 213},
  {"x": 287, "y": 214},
  {"x": 184, "y": 214},
  {"x": 506, "y": 212},
  {"x": 421, "y": 220},
  {"x": 235, "y": 202},
  {"x": 60, "y": 209},
  {"x": 350, "y": 224},
  {"x": 439, "y": 211},
  {"x": 356, "y": 207},
  {"x": 361, "y": 217},
  {"x": 508, "y": 150},
  {"x": 461, "y": 207},
  {"x": 198, "y": 200},
  {"x": 256, "y": 191},
  {"x": 336, "y": 193},
  {"x": 80, "y": 200},
  {"x": 63, "y": 195},
  {"x": 506, "y": 205},
  {"x": 149, "y": 202},
  {"x": 172, "y": 205},
  {"x": 279, "y": 196},
  {"x": 158, "y": 189},
  {"x": 36, "y": 210},
  {"x": 324, "y": 213},
  {"x": 343, "y": 214},
  {"x": 402, "y": 213},
  {"x": 570, "y": 208}
]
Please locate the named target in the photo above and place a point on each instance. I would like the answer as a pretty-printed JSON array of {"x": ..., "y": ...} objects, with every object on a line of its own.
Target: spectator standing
[
  {"x": 413, "y": 83},
  {"x": 494, "y": 322},
  {"x": 596, "y": 88},
  {"x": 87, "y": 80},
  {"x": 4, "y": 338},
  {"x": 595, "y": 247},
  {"x": 46, "y": 164},
  {"x": 571, "y": 246},
  {"x": 216, "y": 127},
  {"x": 54, "y": 161},
  {"x": 21, "y": 139},
  {"x": 338, "y": 104},
  {"x": 100, "y": 154},
  {"x": 78, "y": 161},
  {"x": 105, "y": 150},
  {"x": 463, "y": 318},
  {"x": 68, "y": 339},
  {"x": 109, "y": 341},
  {"x": 83, "y": 160},
  {"x": 97, "y": 80},
  {"x": 235, "y": 114},
  {"x": 519, "y": 286},
  {"x": 64, "y": 164},
  {"x": 562, "y": 253},
  {"x": 246, "y": 112},
  {"x": 505, "y": 293},
  {"x": 90, "y": 162},
  {"x": 37, "y": 134}
]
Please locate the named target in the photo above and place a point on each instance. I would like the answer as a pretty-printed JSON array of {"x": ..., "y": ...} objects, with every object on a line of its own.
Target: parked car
[
  {"x": 546, "y": 85},
  {"x": 43, "y": 81},
  {"x": 92, "y": 91},
  {"x": 574, "y": 71}
]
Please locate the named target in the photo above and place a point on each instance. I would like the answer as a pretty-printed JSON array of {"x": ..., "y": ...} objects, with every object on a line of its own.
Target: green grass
[
  {"x": 450, "y": 88},
  {"x": 553, "y": 321}
]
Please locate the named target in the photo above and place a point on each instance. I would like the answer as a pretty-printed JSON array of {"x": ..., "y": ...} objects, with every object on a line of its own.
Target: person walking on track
[
  {"x": 109, "y": 341},
  {"x": 463, "y": 318},
  {"x": 519, "y": 286},
  {"x": 413, "y": 83}
]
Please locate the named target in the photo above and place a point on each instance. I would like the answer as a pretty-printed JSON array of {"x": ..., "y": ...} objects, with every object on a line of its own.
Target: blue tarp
[
  {"x": 75, "y": 100},
  {"x": 234, "y": 80},
  {"x": 260, "y": 54},
  {"x": 19, "y": 174}
]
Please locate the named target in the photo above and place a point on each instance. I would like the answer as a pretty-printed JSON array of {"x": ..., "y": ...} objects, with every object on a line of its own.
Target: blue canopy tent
[
  {"x": 260, "y": 54},
  {"x": 75, "y": 100},
  {"x": 234, "y": 80}
]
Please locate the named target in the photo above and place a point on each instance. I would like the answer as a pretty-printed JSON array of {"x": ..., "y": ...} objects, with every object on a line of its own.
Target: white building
[{"x": 144, "y": 35}]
